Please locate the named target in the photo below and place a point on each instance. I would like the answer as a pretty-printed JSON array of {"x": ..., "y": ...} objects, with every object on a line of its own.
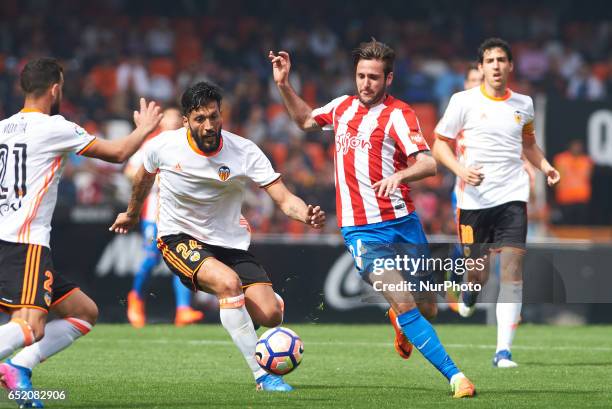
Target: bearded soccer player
[
  {"x": 34, "y": 145},
  {"x": 376, "y": 136},
  {"x": 203, "y": 239},
  {"x": 184, "y": 315},
  {"x": 492, "y": 185}
]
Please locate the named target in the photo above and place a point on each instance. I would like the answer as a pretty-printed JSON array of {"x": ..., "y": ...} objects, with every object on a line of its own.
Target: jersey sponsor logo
[
  {"x": 224, "y": 173},
  {"x": 347, "y": 141},
  {"x": 79, "y": 131},
  {"x": 416, "y": 138},
  {"x": 177, "y": 167}
]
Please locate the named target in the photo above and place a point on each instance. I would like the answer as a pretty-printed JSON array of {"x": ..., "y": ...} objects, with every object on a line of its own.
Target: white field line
[{"x": 348, "y": 344}]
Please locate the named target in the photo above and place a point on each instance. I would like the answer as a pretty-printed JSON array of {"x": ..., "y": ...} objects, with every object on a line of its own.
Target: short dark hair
[
  {"x": 375, "y": 50},
  {"x": 491, "y": 43},
  {"x": 40, "y": 74},
  {"x": 471, "y": 67},
  {"x": 199, "y": 95}
]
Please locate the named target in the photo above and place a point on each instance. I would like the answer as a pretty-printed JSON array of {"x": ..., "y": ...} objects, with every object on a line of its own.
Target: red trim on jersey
[
  {"x": 350, "y": 173},
  {"x": 375, "y": 163},
  {"x": 340, "y": 109},
  {"x": 400, "y": 162}
]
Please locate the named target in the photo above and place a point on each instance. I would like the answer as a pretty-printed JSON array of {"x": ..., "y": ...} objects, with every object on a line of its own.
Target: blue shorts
[
  {"x": 372, "y": 244},
  {"x": 149, "y": 237}
]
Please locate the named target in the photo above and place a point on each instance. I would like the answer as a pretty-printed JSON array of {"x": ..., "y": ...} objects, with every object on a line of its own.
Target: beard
[
  {"x": 55, "y": 107},
  {"x": 374, "y": 99},
  {"x": 206, "y": 147}
]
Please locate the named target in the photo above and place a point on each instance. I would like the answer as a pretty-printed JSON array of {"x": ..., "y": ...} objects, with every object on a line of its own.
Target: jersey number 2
[{"x": 20, "y": 153}]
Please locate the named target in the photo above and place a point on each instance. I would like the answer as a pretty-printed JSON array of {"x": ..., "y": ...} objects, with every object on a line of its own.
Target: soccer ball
[{"x": 279, "y": 350}]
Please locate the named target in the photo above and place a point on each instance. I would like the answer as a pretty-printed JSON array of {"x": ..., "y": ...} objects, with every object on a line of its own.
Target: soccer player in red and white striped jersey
[{"x": 379, "y": 149}]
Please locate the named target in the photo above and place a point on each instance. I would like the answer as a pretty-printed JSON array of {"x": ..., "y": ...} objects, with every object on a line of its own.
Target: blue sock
[
  {"x": 182, "y": 295},
  {"x": 144, "y": 272},
  {"x": 423, "y": 336}
]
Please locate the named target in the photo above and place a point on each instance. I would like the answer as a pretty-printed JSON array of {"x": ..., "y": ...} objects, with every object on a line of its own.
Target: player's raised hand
[
  {"x": 388, "y": 185},
  {"x": 281, "y": 65},
  {"x": 123, "y": 223},
  {"x": 149, "y": 116},
  {"x": 472, "y": 175},
  {"x": 315, "y": 217}
]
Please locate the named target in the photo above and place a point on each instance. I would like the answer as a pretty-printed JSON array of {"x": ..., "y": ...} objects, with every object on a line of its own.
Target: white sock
[
  {"x": 13, "y": 335},
  {"x": 508, "y": 312},
  {"x": 236, "y": 320},
  {"x": 59, "y": 334}
]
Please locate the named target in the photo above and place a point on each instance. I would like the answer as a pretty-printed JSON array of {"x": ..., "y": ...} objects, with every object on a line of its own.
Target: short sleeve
[
  {"x": 406, "y": 131},
  {"x": 150, "y": 158},
  {"x": 529, "y": 126},
  {"x": 69, "y": 137},
  {"x": 324, "y": 116},
  {"x": 259, "y": 168},
  {"x": 452, "y": 121}
]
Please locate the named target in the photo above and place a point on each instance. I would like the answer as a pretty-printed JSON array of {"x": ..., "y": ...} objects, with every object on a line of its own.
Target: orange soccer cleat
[
  {"x": 136, "y": 310},
  {"x": 186, "y": 316},
  {"x": 402, "y": 345},
  {"x": 463, "y": 388}
]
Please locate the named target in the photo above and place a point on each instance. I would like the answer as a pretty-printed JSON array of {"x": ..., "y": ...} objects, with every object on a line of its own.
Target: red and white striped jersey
[{"x": 371, "y": 144}]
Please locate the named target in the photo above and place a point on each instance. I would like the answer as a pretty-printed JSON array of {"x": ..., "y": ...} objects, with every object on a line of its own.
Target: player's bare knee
[
  {"x": 89, "y": 313},
  {"x": 274, "y": 318},
  {"x": 229, "y": 287}
]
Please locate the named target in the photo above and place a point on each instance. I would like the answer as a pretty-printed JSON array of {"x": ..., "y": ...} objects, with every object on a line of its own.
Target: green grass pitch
[{"x": 344, "y": 366}]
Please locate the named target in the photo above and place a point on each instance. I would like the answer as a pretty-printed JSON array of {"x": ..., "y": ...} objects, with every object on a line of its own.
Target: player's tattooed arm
[
  {"x": 143, "y": 181},
  {"x": 299, "y": 110},
  {"x": 294, "y": 207}
]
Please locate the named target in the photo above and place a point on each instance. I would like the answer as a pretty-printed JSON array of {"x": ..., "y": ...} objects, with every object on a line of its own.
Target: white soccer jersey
[
  {"x": 493, "y": 134},
  {"x": 151, "y": 204},
  {"x": 201, "y": 194},
  {"x": 33, "y": 149},
  {"x": 371, "y": 144}
]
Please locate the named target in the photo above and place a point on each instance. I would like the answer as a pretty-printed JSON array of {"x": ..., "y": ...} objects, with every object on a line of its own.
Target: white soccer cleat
[{"x": 464, "y": 310}]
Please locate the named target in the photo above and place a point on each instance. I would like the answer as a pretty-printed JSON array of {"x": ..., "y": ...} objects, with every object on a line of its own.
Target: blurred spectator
[
  {"x": 117, "y": 51},
  {"x": 585, "y": 85},
  {"x": 573, "y": 193}
]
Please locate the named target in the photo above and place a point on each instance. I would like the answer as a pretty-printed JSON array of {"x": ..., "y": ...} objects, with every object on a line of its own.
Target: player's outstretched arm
[
  {"x": 295, "y": 207},
  {"x": 443, "y": 153},
  {"x": 298, "y": 109},
  {"x": 119, "y": 150},
  {"x": 424, "y": 166},
  {"x": 535, "y": 156},
  {"x": 143, "y": 181}
]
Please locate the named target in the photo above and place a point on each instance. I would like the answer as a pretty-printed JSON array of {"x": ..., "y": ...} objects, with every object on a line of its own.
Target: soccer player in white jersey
[
  {"x": 34, "y": 145},
  {"x": 202, "y": 172},
  {"x": 379, "y": 149},
  {"x": 473, "y": 78},
  {"x": 492, "y": 185},
  {"x": 136, "y": 311}
]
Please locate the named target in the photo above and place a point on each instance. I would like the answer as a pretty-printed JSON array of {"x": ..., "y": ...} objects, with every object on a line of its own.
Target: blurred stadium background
[{"x": 118, "y": 50}]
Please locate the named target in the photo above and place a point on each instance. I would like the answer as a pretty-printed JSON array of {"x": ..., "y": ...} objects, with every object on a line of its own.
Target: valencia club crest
[{"x": 224, "y": 173}]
